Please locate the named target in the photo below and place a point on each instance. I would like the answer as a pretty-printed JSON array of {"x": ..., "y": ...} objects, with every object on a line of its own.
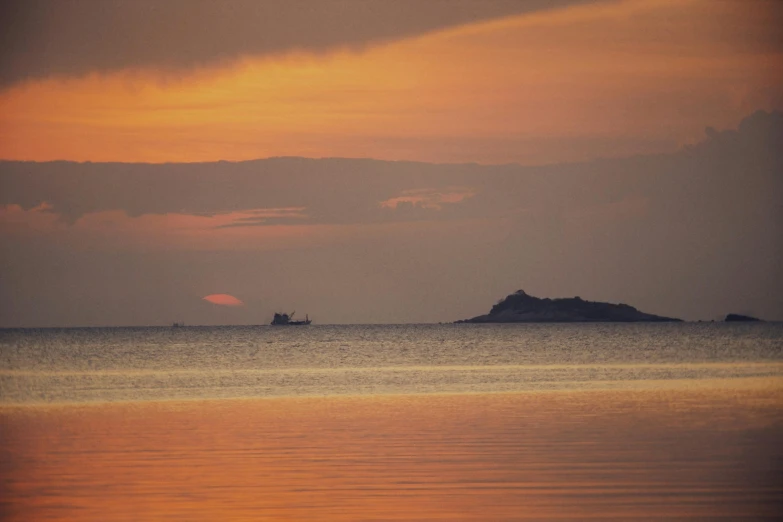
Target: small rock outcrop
[
  {"x": 737, "y": 317},
  {"x": 520, "y": 307}
]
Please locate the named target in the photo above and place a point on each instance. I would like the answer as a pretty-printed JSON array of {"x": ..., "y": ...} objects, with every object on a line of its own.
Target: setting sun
[{"x": 223, "y": 300}]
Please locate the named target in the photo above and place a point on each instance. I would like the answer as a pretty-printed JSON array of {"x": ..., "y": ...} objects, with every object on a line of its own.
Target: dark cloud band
[{"x": 40, "y": 38}]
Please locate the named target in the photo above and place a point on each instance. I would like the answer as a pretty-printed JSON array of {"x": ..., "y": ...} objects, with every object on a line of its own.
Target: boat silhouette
[{"x": 288, "y": 320}]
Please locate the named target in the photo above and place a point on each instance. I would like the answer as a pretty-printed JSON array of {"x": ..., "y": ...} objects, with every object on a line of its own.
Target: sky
[{"x": 377, "y": 161}]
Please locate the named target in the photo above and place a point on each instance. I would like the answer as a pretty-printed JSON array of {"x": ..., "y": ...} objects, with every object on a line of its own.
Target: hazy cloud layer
[
  {"x": 695, "y": 234},
  {"x": 40, "y": 38}
]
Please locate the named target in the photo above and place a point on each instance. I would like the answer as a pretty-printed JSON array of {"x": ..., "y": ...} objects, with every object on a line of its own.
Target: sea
[{"x": 592, "y": 421}]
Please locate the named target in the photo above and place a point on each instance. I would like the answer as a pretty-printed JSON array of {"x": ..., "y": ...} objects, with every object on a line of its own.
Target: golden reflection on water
[{"x": 670, "y": 453}]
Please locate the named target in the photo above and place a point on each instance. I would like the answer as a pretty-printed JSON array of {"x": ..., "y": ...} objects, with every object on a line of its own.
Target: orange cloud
[
  {"x": 223, "y": 300},
  {"x": 430, "y": 198},
  {"x": 595, "y": 80},
  {"x": 114, "y": 228}
]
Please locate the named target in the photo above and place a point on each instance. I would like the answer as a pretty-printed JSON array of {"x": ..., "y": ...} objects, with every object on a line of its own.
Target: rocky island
[
  {"x": 520, "y": 307},
  {"x": 737, "y": 317}
]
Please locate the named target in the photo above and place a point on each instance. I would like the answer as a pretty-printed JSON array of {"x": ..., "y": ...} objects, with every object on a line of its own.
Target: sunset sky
[{"x": 568, "y": 120}]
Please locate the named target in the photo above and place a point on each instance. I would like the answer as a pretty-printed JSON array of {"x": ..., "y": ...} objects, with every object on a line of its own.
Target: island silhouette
[
  {"x": 521, "y": 307},
  {"x": 740, "y": 318}
]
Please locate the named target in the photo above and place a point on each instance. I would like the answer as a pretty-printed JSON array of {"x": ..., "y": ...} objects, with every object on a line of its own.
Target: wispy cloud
[
  {"x": 429, "y": 198},
  {"x": 266, "y": 217}
]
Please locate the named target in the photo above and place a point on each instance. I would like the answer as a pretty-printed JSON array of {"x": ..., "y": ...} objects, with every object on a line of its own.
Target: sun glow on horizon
[{"x": 223, "y": 300}]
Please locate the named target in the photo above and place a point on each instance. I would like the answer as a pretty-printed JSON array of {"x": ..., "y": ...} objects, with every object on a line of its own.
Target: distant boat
[
  {"x": 177, "y": 325},
  {"x": 288, "y": 320}
]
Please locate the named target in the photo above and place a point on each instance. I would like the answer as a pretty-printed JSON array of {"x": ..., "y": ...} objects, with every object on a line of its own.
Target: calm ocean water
[
  {"x": 121, "y": 364},
  {"x": 382, "y": 423}
]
